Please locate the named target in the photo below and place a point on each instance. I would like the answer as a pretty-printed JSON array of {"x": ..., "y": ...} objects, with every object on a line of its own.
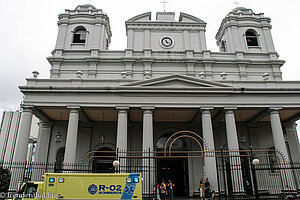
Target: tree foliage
[{"x": 4, "y": 179}]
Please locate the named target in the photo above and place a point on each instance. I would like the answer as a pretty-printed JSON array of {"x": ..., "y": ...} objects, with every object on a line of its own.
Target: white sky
[{"x": 29, "y": 29}]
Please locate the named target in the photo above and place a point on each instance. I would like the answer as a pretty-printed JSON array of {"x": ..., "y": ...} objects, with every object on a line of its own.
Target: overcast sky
[{"x": 29, "y": 31}]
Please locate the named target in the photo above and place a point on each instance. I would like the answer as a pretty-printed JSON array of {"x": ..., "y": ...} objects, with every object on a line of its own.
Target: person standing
[
  {"x": 170, "y": 189},
  {"x": 163, "y": 190},
  {"x": 201, "y": 189},
  {"x": 207, "y": 189},
  {"x": 156, "y": 190},
  {"x": 213, "y": 195}
]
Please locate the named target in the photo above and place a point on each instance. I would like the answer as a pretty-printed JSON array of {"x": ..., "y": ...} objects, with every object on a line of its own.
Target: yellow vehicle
[{"x": 83, "y": 186}]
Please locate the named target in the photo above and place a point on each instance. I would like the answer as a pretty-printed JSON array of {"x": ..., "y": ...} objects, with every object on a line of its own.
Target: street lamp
[
  {"x": 58, "y": 137},
  {"x": 116, "y": 164},
  {"x": 255, "y": 162}
]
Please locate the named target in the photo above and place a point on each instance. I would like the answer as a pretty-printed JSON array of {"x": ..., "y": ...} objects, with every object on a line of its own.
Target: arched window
[
  {"x": 60, "y": 155},
  {"x": 177, "y": 145},
  {"x": 79, "y": 35},
  {"x": 251, "y": 38}
]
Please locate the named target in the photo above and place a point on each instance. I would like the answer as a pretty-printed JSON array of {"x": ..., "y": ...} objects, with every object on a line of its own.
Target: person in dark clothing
[
  {"x": 207, "y": 189},
  {"x": 156, "y": 190},
  {"x": 170, "y": 187}
]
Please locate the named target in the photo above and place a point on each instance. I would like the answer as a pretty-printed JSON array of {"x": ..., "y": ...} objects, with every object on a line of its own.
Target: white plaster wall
[
  {"x": 195, "y": 41},
  {"x": 195, "y": 166},
  {"x": 11, "y": 142},
  {"x": 34, "y": 127},
  {"x": 109, "y": 131},
  {"x": 53, "y": 147},
  {"x": 176, "y": 35},
  {"x": 4, "y": 133},
  {"x": 83, "y": 142},
  {"x": 138, "y": 37}
]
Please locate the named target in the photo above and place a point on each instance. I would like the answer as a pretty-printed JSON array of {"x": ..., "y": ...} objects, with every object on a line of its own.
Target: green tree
[{"x": 4, "y": 180}]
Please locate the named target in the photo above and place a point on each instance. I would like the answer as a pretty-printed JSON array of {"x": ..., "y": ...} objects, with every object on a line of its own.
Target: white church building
[{"x": 166, "y": 81}]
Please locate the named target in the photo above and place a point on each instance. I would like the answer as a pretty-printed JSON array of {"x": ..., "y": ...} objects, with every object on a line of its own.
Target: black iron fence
[
  {"x": 256, "y": 174},
  {"x": 247, "y": 174}
]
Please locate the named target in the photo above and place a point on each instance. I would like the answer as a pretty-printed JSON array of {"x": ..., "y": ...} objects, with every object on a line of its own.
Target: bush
[{"x": 4, "y": 179}]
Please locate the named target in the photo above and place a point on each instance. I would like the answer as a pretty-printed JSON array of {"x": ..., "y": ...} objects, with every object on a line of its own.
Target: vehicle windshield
[{"x": 30, "y": 191}]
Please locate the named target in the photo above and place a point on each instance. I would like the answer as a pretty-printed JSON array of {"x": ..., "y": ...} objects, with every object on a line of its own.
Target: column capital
[
  {"x": 274, "y": 110},
  {"x": 73, "y": 107},
  {"x": 230, "y": 108},
  {"x": 76, "y": 111},
  {"x": 45, "y": 124},
  {"x": 122, "y": 110},
  {"x": 125, "y": 108},
  {"x": 205, "y": 111},
  {"x": 148, "y": 108},
  {"x": 27, "y": 108},
  {"x": 292, "y": 125},
  {"x": 206, "y": 108}
]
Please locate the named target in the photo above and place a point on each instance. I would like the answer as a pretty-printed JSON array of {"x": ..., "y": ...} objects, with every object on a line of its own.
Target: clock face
[{"x": 167, "y": 42}]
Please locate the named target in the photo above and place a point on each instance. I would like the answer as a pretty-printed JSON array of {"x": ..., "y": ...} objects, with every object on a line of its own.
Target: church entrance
[
  {"x": 179, "y": 150},
  {"x": 102, "y": 161},
  {"x": 175, "y": 170}
]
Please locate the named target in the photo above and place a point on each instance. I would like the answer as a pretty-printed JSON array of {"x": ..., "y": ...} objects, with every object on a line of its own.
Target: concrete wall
[{"x": 9, "y": 133}]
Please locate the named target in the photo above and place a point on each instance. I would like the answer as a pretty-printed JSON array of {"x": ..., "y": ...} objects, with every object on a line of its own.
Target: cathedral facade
[{"x": 165, "y": 82}]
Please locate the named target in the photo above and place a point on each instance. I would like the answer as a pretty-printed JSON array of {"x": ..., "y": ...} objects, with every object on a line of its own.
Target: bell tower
[
  {"x": 243, "y": 30},
  {"x": 82, "y": 32},
  {"x": 84, "y": 28}
]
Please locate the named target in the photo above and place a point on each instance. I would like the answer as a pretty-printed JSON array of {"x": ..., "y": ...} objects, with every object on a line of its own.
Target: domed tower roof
[
  {"x": 86, "y": 7},
  {"x": 244, "y": 30},
  {"x": 242, "y": 10}
]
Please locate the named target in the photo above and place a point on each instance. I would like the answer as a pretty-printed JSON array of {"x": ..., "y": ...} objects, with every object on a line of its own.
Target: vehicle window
[{"x": 30, "y": 191}]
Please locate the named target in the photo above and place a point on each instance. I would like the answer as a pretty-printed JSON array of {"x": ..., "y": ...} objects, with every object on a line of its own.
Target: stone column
[
  {"x": 147, "y": 129},
  {"x": 11, "y": 119},
  {"x": 122, "y": 138},
  {"x": 279, "y": 143},
  {"x": 277, "y": 133},
  {"x": 43, "y": 142},
  {"x": 209, "y": 159},
  {"x": 72, "y": 134},
  {"x": 232, "y": 138},
  {"x": 122, "y": 129},
  {"x": 41, "y": 154},
  {"x": 4, "y": 134},
  {"x": 148, "y": 144},
  {"x": 233, "y": 145},
  {"x": 21, "y": 147},
  {"x": 23, "y": 135},
  {"x": 293, "y": 140}
]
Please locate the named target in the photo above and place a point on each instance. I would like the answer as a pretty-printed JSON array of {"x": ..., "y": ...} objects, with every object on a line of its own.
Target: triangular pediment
[{"x": 177, "y": 81}]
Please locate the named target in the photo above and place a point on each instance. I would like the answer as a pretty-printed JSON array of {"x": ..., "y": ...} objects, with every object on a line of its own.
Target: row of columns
[
  {"x": 121, "y": 143},
  {"x": 26, "y": 118}
]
